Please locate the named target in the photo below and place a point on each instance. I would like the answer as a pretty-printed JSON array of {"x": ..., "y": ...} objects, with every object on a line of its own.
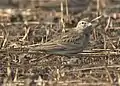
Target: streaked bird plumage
[{"x": 69, "y": 43}]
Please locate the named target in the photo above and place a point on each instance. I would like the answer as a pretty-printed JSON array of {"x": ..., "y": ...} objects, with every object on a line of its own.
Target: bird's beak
[{"x": 89, "y": 24}]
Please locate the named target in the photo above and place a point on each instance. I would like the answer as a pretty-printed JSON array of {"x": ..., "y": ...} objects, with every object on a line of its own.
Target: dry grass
[{"x": 98, "y": 65}]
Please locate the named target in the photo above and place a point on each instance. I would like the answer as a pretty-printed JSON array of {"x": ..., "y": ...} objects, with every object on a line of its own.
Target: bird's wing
[
  {"x": 64, "y": 42},
  {"x": 68, "y": 38}
]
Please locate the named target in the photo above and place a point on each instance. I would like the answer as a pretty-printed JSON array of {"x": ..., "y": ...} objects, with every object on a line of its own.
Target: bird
[{"x": 68, "y": 44}]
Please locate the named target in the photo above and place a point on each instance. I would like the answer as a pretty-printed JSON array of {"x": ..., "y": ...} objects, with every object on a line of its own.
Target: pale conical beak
[{"x": 89, "y": 24}]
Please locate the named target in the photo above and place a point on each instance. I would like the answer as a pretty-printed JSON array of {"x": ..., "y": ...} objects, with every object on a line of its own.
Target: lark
[{"x": 69, "y": 43}]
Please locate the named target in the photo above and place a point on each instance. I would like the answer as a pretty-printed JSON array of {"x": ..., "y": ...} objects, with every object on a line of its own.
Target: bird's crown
[{"x": 82, "y": 25}]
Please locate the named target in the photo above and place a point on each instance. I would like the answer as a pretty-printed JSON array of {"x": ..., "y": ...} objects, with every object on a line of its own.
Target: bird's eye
[{"x": 82, "y": 22}]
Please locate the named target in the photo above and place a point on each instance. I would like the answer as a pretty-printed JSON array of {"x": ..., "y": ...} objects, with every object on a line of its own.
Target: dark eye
[{"x": 82, "y": 22}]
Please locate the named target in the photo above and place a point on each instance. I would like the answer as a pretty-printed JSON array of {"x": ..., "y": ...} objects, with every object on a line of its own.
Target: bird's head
[{"x": 83, "y": 25}]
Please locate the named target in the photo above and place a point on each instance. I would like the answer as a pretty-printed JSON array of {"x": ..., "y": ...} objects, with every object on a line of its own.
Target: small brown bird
[{"x": 69, "y": 43}]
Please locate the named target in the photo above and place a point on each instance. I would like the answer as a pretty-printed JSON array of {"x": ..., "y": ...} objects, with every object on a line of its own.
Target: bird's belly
[{"x": 69, "y": 50}]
